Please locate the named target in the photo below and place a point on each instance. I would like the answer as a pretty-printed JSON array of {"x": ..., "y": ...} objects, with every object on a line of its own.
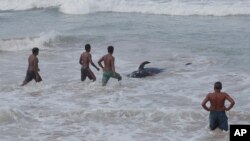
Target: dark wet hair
[
  {"x": 217, "y": 85},
  {"x": 110, "y": 49},
  {"x": 87, "y": 47},
  {"x": 35, "y": 50}
]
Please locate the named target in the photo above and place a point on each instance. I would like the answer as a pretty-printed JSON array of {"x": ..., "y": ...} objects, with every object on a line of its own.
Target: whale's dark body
[{"x": 144, "y": 72}]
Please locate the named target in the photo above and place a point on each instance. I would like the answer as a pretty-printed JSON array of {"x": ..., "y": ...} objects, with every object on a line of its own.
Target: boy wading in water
[
  {"x": 33, "y": 69},
  {"x": 109, "y": 66},
  {"x": 85, "y": 60}
]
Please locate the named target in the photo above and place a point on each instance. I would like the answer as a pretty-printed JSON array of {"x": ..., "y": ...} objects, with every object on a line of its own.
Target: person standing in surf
[
  {"x": 85, "y": 60},
  {"x": 109, "y": 66},
  {"x": 217, "y": 116},
  {"x": 33, "y": 69}
]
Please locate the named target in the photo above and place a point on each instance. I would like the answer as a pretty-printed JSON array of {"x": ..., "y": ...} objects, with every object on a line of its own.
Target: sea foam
[
  {"x": 26, "y": 43},
  {"x": 164, "y": 7}
]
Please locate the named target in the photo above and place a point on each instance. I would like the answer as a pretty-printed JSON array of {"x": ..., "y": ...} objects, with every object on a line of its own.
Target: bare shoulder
[
  {"x": 224, "y": 93},
  {"x": 32, "y": 57},
  {"x": 209, "y": 94},
  {"x": 106, "y": 56},
  {"x": 111, "y": 57},
  {"x": 86, "y": 54},
  {"x": 102, "y": 58},
  {"x": 82, "y": 54}
]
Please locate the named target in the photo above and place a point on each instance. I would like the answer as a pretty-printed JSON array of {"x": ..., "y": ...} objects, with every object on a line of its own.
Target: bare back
[
  {"x": 108, "y": 62},
  {"x": 217, "y": 101},
  {"x": 33, "y": 63},
  {"x": 85, "y": 59}
]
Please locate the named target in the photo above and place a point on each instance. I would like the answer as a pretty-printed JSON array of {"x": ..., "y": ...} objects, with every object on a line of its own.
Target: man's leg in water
[
  {"x": 83, "y": 76},
  {"x": 105, "y": 77},
  {"x": 29, "y": 76},
  {"x": 213, "y": 121},
  {"x": 117, "y": 76}
]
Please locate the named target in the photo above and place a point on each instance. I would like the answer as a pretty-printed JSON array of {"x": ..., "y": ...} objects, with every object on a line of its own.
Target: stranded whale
[{"x": 143, "y": 72}]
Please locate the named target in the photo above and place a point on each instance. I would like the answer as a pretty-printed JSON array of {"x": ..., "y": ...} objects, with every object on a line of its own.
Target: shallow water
[{"x": 164, "y": 107}]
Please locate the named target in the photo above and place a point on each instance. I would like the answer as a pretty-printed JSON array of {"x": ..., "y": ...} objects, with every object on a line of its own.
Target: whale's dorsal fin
[{"x": 141, "y": 67}]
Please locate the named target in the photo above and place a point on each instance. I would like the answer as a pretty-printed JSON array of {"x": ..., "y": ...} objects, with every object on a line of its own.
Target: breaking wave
[
  {"x": 17, "y": 44},
  {"x": 165, "y": 7}
]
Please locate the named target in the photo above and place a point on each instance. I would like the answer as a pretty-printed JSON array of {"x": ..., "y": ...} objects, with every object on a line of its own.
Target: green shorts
[{"x": 107, "y": 74}]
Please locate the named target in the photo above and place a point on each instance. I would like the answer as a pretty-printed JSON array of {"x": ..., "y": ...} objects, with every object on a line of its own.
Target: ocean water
[{"x": 213, "y": 35}]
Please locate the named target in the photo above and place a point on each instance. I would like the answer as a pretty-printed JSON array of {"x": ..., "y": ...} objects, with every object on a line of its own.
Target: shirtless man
[
  {"x": 217, "y": 116},
  {"x": 85, "y": 59},
  {"x": 33, "y": 69},
  {"x": 109, "y": 66}
]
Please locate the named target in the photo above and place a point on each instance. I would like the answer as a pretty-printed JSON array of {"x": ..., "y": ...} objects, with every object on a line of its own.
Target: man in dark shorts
[
  {"x": 33, "y": 69},
  {"x": 85, "y": 59},
  {"x": 109, "y": 66},
  {"x": 217, "y": 116}
]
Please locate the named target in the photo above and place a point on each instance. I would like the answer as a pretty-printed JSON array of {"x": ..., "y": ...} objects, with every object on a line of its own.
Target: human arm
[
  {"x": 92, "y": 63},
  {"x": 100, "y": 62},
  {"x": 95, "y": 66},
  {"x": 204, "y": 102},
  {"x": 230, "y": 99},
  {"x": 80, "y": 60}
]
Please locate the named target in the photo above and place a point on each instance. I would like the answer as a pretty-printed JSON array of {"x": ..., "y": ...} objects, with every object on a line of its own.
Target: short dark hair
[
  {"x": 110, "y": 49},
  {"x": 217, "y": 85},
  {"x": 35, "y": 50},
  {"x": 87, "y": 47}
]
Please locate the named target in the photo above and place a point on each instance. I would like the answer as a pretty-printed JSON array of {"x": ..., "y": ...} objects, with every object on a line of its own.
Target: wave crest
[
  {"x": 165, "y": 7},
  {"x": 17, "y": 44}
]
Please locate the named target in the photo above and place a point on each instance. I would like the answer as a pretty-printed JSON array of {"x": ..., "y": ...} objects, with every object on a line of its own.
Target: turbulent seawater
[{"x": 213, "y": 35}]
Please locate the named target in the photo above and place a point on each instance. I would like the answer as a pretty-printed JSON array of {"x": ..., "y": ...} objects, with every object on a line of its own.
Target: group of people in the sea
[
  {"x": 217, "y": 108},
  {"x": 85, "y": 60}
]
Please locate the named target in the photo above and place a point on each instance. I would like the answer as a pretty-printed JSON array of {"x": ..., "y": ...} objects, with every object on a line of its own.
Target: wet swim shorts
[
  {"x": 86, "y": 72},
  {"x": 31, "y": 75},
  {"x": 107, "y": 74},
  {"x": 218, "y": 119}
]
